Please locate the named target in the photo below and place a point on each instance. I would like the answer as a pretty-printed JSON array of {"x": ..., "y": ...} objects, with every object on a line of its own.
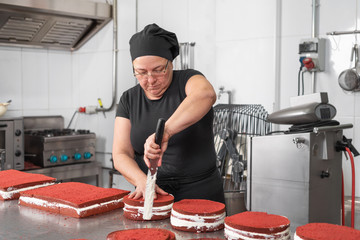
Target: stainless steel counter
[{"x": 20, "y": 222}]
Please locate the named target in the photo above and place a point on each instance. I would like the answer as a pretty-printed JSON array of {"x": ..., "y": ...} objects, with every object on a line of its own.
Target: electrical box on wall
[{"x": 312, "y": 54}]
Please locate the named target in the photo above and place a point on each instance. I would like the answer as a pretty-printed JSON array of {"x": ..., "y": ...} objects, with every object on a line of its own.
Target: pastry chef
[{"x": 184, "y": 98}]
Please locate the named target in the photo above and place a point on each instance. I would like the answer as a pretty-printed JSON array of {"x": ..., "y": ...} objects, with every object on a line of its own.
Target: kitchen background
[{"x": 249, "y": 47}]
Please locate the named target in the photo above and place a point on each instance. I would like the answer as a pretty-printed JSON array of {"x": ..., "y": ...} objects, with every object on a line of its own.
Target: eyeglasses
[{"x": 154, "y": 73}]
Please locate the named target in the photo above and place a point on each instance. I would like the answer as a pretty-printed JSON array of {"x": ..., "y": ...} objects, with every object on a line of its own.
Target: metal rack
[{"x": 232, "y": 126}]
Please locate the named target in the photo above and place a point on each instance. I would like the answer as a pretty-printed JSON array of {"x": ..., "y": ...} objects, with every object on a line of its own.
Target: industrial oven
[
  {"x": 296, "y": 175},
  {"x": 11, "y": 143},
  {"x": 48, "y": 143}
]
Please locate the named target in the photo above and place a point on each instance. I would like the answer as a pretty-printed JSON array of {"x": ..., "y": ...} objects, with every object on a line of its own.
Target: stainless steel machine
[
  {"x": 11, "y": 143},
  {"x": 297, "y": 175},
  {"x": 232, "y": 125},
  {"x": 48, "y": 143}
]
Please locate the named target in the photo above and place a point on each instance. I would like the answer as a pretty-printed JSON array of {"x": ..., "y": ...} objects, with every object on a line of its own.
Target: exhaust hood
[{"x": 52, "y": 24}]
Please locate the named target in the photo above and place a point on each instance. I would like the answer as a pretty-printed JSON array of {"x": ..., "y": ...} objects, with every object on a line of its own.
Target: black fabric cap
[{"x": 154, "y": 41}]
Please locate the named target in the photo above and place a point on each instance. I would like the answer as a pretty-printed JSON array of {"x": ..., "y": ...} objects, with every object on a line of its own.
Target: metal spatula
[{"x": 151, "y": 176}]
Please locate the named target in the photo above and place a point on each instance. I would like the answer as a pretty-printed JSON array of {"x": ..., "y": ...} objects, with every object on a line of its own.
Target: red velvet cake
[
  {"x": 197, "y": 215},
  {"x": 134, "y": 208},
  {"x": 12, "y": 182},
  {"x": 74, "y": 199},
  {"x": 257, "y": 225},
  {"x": 325, "y": 231},
  {"x": 142, "y": 234}
]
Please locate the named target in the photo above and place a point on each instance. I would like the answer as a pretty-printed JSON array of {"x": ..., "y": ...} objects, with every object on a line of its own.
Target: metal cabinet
[{"x": 297, "y": 176}]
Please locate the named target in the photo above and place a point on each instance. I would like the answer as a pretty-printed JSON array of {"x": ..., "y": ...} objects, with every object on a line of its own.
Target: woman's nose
[{"x": 151, "y": 79}]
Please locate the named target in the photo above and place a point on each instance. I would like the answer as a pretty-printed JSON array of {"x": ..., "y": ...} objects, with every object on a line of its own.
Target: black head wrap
[{"x": 154, "y": 41}]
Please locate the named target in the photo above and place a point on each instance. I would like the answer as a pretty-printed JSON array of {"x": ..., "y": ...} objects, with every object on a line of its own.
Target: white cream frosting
[
  {"x": 195, "y": 221},
  {"x": 163, "y": 210},
  {"x": 47, "y": 204},
  {"x": 149, "y": 195},
  {"x": 296, "y": 237},
  {"x": 9, "y": 194},
  {"x": 234, "y": 234}
]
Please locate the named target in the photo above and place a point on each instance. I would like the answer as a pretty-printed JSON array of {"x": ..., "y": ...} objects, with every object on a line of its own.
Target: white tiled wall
[{"x": 235, "y": 48}]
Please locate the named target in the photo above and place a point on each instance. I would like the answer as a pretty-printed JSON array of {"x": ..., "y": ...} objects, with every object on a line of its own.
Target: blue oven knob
[
  {"x": 53, "y": 159},
  {"x": 77, "y": 156},
  {"x": 64, "y": 158},
  {"x": 87, "y": 155}
]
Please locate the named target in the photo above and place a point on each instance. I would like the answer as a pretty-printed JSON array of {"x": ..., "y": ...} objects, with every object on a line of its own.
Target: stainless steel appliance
[
  {"x": 306, "y": 113},
  {"x": 297, "y": 175},
  {"x": 11, "y": 143},
  {"x": 233, "y": 123},
  {"x": 48, "y": 144}
]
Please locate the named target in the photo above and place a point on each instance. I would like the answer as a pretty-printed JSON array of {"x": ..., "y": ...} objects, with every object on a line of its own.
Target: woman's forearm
[
  {"x": 129, "y": 169},
  {"x": 123, "y": 153}
]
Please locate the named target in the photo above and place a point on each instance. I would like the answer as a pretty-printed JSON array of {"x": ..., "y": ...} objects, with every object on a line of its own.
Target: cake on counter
[
  {"x": 134, "y": 208},
  {"x": 142, "y": 234},
  {"x": 197, "y": 215},
  {"x": 257, "y": 225},
  {"x": 74, "y": 199},
  {"x": 325, "y": 231},
  {"x": 12, "y": 182}
]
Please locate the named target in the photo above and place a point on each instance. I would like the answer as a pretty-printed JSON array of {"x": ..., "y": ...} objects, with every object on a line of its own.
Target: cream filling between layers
[
  {"x": 234, "y": 234},
  {"x": 296, "y": 237},
  {"x": 44, "y": 203},
  {"x": 195, "y": 221},
  {"x": 163, "y": 210},
  {"x": 11, "y": 193}
]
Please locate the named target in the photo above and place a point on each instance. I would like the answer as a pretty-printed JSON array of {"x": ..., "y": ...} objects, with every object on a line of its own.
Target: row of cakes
[
  {"x": 81, "y": 200},
  {"x": 73, "y": 199}
]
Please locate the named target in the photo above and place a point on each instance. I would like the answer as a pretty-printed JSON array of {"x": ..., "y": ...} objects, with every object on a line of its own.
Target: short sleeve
[
  {"x": 183, "y": 76},
  {"x": 123, "y": 106}
]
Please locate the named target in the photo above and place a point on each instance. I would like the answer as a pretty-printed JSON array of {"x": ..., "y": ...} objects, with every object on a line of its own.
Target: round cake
[
  {"x": 325, "y": 231},
  {"x": 197, "y": 215},
  {"x": 134, "y": 208},
  {"x": 257, "y": 225},
  {"x": 142, "y": 234}
]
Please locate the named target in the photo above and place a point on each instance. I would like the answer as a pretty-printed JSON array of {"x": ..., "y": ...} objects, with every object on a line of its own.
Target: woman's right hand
[{"x": 153, "y": 150}]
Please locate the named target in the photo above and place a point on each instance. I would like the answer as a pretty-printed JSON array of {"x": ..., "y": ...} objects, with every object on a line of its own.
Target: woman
[{"x": 187, "y": 159}]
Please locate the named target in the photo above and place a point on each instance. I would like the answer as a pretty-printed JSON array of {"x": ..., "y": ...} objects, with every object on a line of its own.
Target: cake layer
[
  {"x": 142, "y": 234},
  {"x": 134, "y": 208},
  {"x": 325, "y": 231},
  {"x": 64, "y": 209},
  {"x": 195, "y": 222},
  {"x": 200, "y": 207},
  {"x": 161, "y": 200},
  {"x": 14, "y": 179},
  {"x": 15, "y": 194},
  {"x": 258, "y": 222},
  {"x": 235, "y": 234},
  {"x": 12, "y": 182},
  {"x": 137, "y": 212},
  {"x": 76, "y": 194}
]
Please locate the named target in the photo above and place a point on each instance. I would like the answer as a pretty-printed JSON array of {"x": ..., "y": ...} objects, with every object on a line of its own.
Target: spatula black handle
[
  {"x": 158, "y": 139},
  {"x": 159, "y": 131}
]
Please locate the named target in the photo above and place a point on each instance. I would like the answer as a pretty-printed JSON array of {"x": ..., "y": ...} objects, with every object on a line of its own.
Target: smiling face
[{"x": 154, "y": 75}]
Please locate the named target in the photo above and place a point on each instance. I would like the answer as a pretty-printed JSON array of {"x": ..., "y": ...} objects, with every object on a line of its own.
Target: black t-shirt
[{"x": 191, "y": 152}]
